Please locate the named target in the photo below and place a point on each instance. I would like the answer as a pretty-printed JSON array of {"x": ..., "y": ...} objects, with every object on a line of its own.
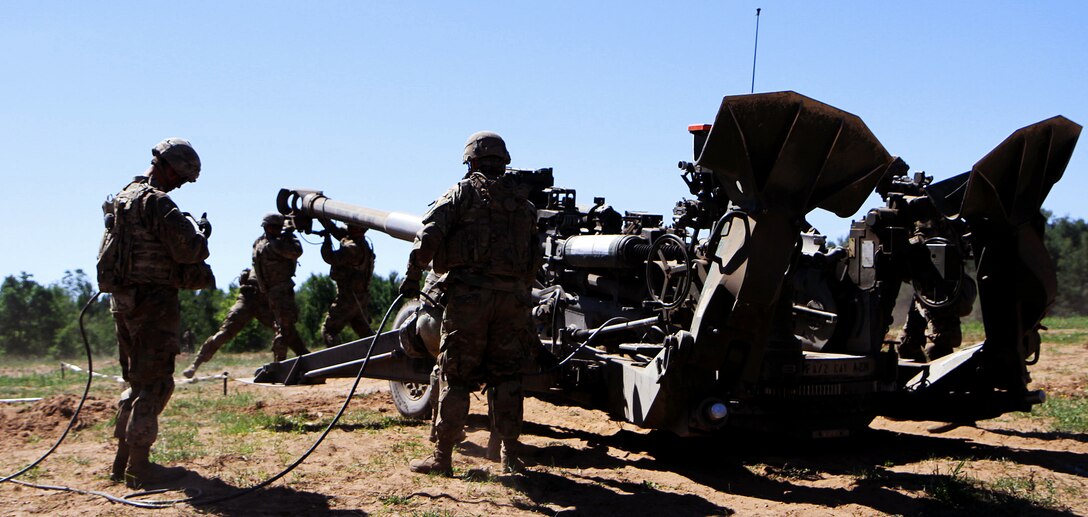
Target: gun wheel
[
  {"x": 668, "y": 271},
  {"x": 412, "y": 399}
]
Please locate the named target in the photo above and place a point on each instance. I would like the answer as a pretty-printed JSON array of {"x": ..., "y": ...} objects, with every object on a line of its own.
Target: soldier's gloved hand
[
  {"x": 409, "y": 287},
  {"x": 204, "y": 225}
]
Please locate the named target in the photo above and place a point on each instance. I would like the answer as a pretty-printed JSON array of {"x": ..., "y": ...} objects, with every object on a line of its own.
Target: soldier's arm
[
  {"x": 287, "y": 246},
  {"x": 436, "y": 224},
  {"x": 329, "y": 255},
  {"x": 185, "y": 243}
]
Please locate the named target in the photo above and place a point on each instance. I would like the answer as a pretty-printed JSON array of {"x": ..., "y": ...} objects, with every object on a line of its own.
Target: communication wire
[{"x": 196, "y": 500}]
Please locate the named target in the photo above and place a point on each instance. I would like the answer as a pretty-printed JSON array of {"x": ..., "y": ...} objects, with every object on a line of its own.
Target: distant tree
[
  {"x": 31, "y": 316},
  {"x": 1067, "y": 242},
  {"x": 200, "y": 312},
  {"x": 382, "y": 293},
  {"x": 314, "y": 297},
  {"x": 97, "y": 320}
]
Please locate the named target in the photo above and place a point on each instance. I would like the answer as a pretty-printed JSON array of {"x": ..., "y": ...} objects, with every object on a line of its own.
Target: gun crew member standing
[
  {"x": 251, "y": 304},
  {"x": 351, "y": 266},
  {"x": 275, "y": 256},
  {"x": 481, "y": 235},
  {"x": 149, "y": 251}
]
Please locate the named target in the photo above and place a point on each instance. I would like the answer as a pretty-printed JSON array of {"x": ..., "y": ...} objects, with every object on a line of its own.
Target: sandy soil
[{"x": 579, "y": 463}]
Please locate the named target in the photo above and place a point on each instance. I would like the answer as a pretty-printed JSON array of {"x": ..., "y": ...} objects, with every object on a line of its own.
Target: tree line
[{"x": 43, "y": 320}]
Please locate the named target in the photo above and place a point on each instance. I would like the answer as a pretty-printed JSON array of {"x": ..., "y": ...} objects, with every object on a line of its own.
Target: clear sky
[{"x": 372, "y": 101}]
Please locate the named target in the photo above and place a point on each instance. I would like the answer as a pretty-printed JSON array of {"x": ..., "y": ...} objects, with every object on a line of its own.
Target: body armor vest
[
  {"x": 144, "y": 258},
  {"x": 271, "y": 268},
  {"x": 494, "y": 235},
  {"x": 359, "y": 271}
]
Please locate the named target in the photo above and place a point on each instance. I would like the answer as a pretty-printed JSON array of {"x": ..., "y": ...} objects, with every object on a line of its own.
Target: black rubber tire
[{"x": 413, "y": 400}]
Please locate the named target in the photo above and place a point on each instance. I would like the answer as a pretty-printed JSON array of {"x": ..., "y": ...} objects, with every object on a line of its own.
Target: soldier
[
  {"x": 351, "y": 267},
  {"x": 149, "y": 251},
  {"x": 275, "y": 256},
  {"x": 936, "y": 320},
  {"x": 251, "y": 303},
  {"x": 933, "y": 332},
  {"x": 187, "y": 341},
  {"x": 480, "y": 234}
]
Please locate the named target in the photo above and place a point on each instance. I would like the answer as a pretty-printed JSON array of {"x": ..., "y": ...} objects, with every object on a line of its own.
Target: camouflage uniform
[
  {"x": 940, "y": 326},
  {"x": 251, "y": 304},
  {"x": 481, "y": 235},
  {"x": 164, "y": 252},
  {"x": 351, "y": 267},
  {"x": 274, "y": 263},
  {"x": 934, "y": 332}
]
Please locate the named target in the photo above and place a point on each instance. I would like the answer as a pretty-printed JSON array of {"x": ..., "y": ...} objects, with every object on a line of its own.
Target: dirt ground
[{"x": 579, "y": 463}]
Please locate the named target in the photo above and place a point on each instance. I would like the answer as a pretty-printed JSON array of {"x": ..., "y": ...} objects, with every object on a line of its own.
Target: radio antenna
[{"x": 755, "y": 52}]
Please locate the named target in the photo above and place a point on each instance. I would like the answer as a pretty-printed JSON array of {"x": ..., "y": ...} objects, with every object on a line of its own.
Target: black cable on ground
[
  {"x": 194, "y": 500},
  {"x": 75, "y": 415}
]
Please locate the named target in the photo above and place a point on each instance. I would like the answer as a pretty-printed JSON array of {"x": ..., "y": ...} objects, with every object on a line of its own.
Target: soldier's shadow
[
  {"x": 775, "y": 468},
  {"x": 216, "y": 496}
]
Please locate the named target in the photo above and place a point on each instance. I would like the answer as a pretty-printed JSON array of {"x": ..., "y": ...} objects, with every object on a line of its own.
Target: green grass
[
  {"x": 395, "y": 500},
  {"x": 177, "y": 442},
  {"x": 42, "y": 384},
  {"x": 1008, "y": 495},
  {"x": 1060, "y": 330},
  {"x": 1069, "y": 415}
]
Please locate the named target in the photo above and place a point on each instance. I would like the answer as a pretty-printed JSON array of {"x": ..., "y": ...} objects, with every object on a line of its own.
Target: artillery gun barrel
[{"x": 312, "y": 203}]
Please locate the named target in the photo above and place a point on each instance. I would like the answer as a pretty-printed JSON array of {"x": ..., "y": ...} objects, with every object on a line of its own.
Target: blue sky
[{"x": 372, "y": 101}]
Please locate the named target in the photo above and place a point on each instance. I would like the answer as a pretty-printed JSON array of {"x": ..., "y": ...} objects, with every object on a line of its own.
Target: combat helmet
[
  {"x": 179, "y": 154},
  {"x": 486, "y": 143},
  {"x": 272, "y": 219}
]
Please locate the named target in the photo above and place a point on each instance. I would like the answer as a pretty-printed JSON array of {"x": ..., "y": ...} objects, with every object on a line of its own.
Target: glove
[
  {"x": 204, "y": 226},
  {"x": 409, "y": 287}
]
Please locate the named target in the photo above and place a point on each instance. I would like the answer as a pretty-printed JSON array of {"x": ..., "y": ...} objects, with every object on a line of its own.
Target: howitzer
[{"x": 739, "y": 314}]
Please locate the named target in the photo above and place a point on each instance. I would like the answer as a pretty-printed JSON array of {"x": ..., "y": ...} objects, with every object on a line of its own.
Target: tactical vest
[
  {"x": 271, "y": 268},
  {"x": 363, "y": 269},
  {"x": 137, "y": 255},
  {"x": 494, "y": 234}
]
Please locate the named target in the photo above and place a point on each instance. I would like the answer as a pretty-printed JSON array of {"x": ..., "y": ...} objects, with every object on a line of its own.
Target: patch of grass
[
  {"x": 787, "y": 471},
  {"x": 870, "y": 474},
  {"x": 352, "y": 420},
  {"x": 1004, "y": 496},
  {"x": 1069, "y": 415},
  {"x": 1040, "y": 492},
  {"x": 40, "y": 384},
  {"x": 395, "y": 500},
  {"x": 972, "y": 330},
  {"x": 177, "y": 442},
  {"x": 32, "y": 475},
  {"x": 1066, "y": 322}
]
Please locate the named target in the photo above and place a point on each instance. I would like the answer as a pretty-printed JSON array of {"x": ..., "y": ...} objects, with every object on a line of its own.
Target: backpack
[{"x": 111, "y": 251}]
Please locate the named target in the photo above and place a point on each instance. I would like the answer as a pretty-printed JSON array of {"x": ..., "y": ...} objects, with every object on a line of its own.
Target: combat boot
[
  {"x": 141, "y": 473},
  {"x": 441, "y": 462},
  {"x": 191, "y": 370},
  {"x": 120, "y": 462},
  {"x": 494, "y": 447},
  {"x": 910, "y": 349},
  {"x": 511, "y": 463}
]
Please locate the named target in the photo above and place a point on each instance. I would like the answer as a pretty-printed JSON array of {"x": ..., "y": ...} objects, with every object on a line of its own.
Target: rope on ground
[{"x": 75, "y": 368}]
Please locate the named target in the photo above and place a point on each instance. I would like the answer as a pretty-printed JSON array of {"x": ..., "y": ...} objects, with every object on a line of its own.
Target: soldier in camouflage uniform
[
  {"x": 480, "y": 234},
  {"x": 158, "y": 251},
  {"x": 275, "y": 256},
  {"x": 932, "y": 329},
  {"x": 351, "y": 267},
  {"x": 251, "y": 304}
]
